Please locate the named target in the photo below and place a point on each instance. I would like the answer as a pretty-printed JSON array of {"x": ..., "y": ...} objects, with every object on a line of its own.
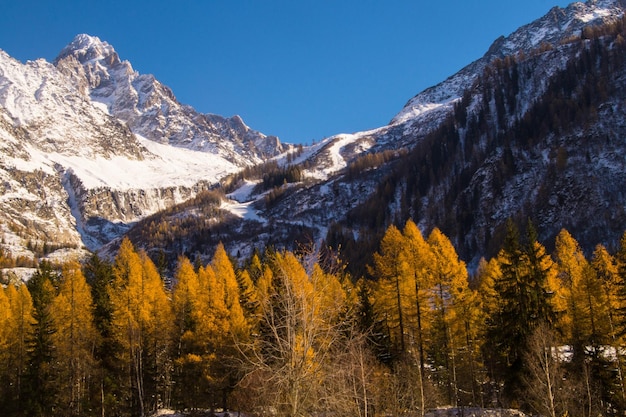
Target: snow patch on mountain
[
  {"x": 244, "y": 211},
  {"x": 244, "y": 192},
  {"x": 595, "y": 14}
]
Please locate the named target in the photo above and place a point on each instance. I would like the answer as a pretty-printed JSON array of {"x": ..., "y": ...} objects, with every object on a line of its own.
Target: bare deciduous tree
[{"x": 545, "y": 372}]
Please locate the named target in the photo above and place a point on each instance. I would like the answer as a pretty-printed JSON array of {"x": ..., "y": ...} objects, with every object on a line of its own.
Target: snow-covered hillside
[
  {"x": 75, "y": 168},
  {"x": 559, "y": 24}
]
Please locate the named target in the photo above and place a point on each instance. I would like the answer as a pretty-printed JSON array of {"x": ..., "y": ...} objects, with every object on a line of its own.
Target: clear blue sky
[{"x": 301, "y": 70}]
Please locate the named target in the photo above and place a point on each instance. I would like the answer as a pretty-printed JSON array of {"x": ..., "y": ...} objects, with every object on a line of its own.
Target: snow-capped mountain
[
  {"x": 463, "y": 155},
  {"x": 89, "y": 147},
  {"x": 151, "y": 110},
  {"x": 467, "y": 154}
]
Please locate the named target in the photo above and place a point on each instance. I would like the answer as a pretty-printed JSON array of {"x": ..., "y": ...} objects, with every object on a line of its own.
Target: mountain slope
[
  {"x": 530, "y": 130},
  {"x": 78, "y": 173},
  {"x": 537, "y": 136}
]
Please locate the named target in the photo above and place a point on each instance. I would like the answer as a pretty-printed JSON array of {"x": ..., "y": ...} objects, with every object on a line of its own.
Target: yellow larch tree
[
  {"x": 283, "y": 364},
  {"x": 248, "y": 298},
  {"x": 5, "y": 322},
  {"x": 265, "y": 284},
  {"x": 74, "y": 340},
  {"x": 586, "y": 306},
  {"x": 157, "y": 325},
  {"x": 225, "y": 274},
  {"x": 418, "y": 257},
  {"x": 236, "y": 328},
  {"x": 6, "y": 318},
  {"x": 393, "y": 295},
  {"x": 605, "y": 269},
  {"x": 126, "y": 295},
  {"x": 19, "y": 333},
  {"x": 330, "y": 297},
  {"x": 216, "y": 314},
  {"x": 456, "y": 315},
  {"x": 193, "y": 330},
  {"x": 487, "y": 273},
  {"x": 140, "y": 320}
]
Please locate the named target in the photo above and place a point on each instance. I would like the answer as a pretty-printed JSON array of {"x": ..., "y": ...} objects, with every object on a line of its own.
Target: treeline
[
  {"x": 372, "y": 160},
  {"x": 293, "y": 334},
  {"x": 270, "y": 173}
]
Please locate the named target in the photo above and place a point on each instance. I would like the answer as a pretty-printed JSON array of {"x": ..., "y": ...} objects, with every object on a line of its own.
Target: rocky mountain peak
[
  {"x": 89, "y": 49},
  {"x": 88, "y": 146},
  {"x": 152, "y": 111}
]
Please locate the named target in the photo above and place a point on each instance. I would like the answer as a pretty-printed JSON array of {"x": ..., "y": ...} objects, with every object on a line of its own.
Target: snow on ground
[
  {"x": 18, "y": 274},
  {"x": 63, "y": 255},
  {"x": 242, "y": 210},
  {"x": 243, "y": 193},
  {"x": 307, "y": 153},
  {"x": 473, "y": 412},
  {"x": 170, "y": 166},
  {"x": 338, "y": 162},
  {"x": 332, "y": 149},
  {"x": 414, "y": 110},
  {"x": 595, "y": 14},
  {"x": 172, "y": 413},
  {"x": 439, "y": 412}
]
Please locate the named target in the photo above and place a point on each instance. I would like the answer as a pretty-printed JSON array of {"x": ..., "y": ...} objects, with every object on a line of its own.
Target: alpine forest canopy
[{"x": 293, "y": 334}]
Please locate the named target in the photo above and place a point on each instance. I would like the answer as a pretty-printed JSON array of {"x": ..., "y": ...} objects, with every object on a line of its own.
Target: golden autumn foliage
[
  {"x": 140, "y": 325},
  {"x": 281, "y": 332},
  {"x": 74, "y": 339}
]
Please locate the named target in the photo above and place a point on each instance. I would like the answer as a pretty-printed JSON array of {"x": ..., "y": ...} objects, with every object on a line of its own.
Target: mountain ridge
[
  {"x": 337, "y": 191},
  {"x": 97, "y": 173}
]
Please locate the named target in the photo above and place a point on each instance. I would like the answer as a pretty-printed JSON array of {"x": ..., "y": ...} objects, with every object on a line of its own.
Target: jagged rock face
[
  {"x": 55, "y": 117},
  {"x": 103, "y": 214},
  {"x": 88, "y": 147},
  {"x": 151, "y": 110}
]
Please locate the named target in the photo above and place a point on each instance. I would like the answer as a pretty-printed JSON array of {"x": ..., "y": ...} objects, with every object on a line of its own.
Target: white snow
[
  {"x": 101, "y": 105},
  {"x": 19, "y": 273},
  {"x": 594, "y": 14},
  {"x": 244, "y": 193},
  {"x": 167, "y": 166},
  {"x": 413, "y": 111},
  {"x": 242, "y": 210}
]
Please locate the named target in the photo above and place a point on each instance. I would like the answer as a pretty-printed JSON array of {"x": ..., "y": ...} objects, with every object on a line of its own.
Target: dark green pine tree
[
  {"x": 524, "y": 304},
  {"x": 541, "y": 267},
  {"x": 99, "y": 275},
  {"x": 40, "y": 383}
]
